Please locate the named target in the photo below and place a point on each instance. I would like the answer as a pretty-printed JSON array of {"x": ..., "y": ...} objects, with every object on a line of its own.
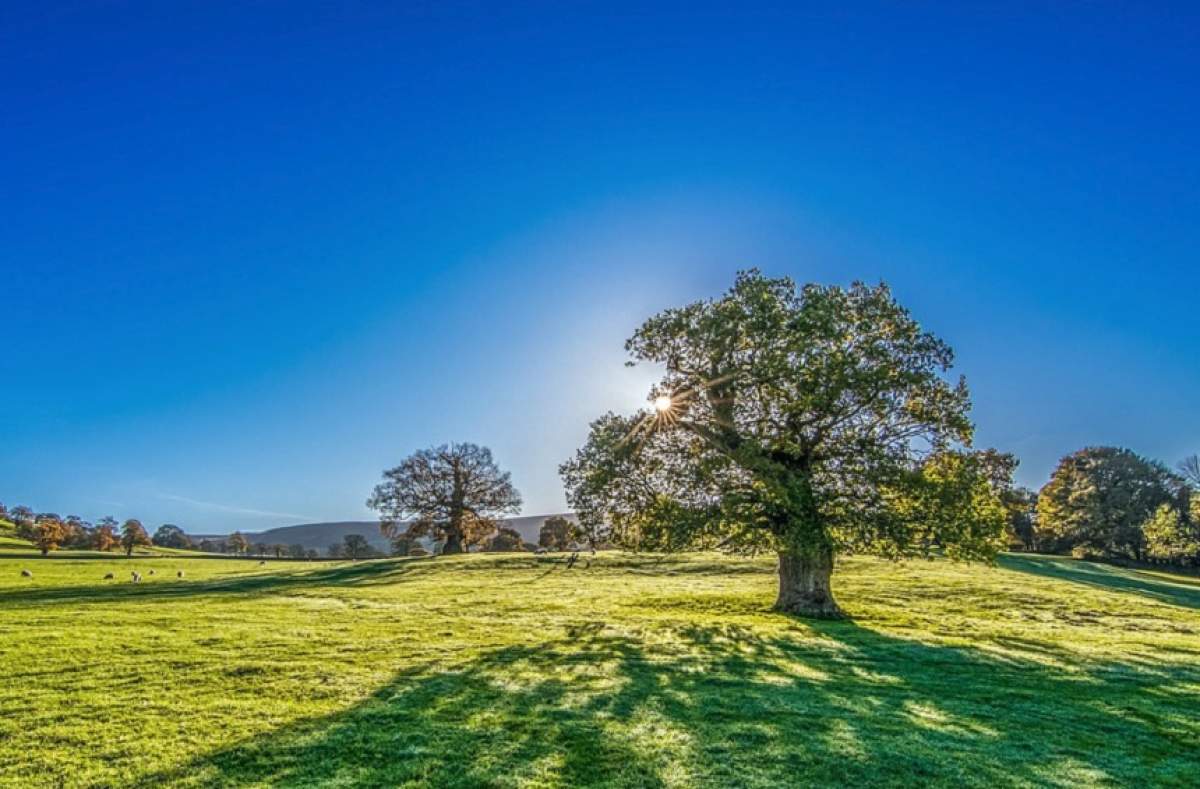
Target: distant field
[{"x": 510, "y": 670}]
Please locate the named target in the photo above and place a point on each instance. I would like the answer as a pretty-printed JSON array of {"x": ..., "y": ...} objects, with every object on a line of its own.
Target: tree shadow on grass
[
  {"x": 1106, "y": 577},
  {"x": 825, "y": 704},
  {"x": 251, "y": 583}
]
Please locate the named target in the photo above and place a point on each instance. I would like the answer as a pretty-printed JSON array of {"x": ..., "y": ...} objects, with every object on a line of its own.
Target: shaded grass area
[
  {"x": 636, "y": 671},
  {"x": 1158, "y": 585}
]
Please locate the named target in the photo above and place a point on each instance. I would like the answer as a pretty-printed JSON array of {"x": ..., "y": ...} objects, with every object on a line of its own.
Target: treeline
[
  {"x": 50, "y": 531},
  {"x": 1100, "y": 503},
  {"x": 556, "y": 534},
  {"x": 238, "y": 544},
  {"x": 1111, "y": 503}
]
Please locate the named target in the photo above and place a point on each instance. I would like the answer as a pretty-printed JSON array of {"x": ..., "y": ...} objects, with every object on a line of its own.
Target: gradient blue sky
[{"x": 251, "y": 254}]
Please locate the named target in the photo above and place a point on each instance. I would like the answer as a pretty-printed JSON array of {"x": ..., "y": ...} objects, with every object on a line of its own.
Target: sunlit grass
[{"x": 635, "y": 671}]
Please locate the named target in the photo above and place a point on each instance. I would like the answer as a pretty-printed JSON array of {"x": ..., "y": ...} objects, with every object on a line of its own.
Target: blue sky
[{"x": 252, "y": 254}]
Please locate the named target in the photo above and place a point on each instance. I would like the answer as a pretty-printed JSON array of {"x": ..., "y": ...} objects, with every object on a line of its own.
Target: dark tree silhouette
[
  {"x": 557, "y": 534},
  {"x": 453, "y": 493},
  {"x": 506, "y": 540},
  {"x": 171, "y": 536},
  {"x": 1189, "y": 467},
  {"x": 355, "y": 546},
  {"x": 20, "y": 515}
]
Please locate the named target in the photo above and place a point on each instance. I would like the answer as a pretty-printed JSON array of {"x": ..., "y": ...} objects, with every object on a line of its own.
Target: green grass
[{"x": 636, "y": 671}]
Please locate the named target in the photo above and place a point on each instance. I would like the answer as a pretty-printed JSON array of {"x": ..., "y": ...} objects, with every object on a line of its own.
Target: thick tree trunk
[
  {"x": 453, "y": 544},
  {"x": 804, "y": 585}
]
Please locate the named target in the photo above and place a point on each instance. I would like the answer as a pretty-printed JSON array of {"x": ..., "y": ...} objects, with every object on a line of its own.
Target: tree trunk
[
  {"x": 453, "y": 544},
  {"x": 804, "y": 585}
]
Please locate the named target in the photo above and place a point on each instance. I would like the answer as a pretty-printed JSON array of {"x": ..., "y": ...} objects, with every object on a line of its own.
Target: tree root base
[{"x": 807, "y": 609}]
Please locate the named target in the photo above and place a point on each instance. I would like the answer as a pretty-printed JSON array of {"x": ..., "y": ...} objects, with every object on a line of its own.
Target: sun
[{"x": 663, "y": 403}]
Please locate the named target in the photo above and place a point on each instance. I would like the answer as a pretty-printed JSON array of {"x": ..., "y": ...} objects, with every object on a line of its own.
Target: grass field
[{"x": 510, "y": 670}]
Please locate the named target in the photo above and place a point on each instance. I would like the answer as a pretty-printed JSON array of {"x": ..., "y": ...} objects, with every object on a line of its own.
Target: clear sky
[{"x": 253, "y": 253}]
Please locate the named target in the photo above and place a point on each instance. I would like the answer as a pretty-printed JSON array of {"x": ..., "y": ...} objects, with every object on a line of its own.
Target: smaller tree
[
  {"x": 403, "y": 543},
  {"x": 1172, "y": 533},
  {"x": 1020, "y": 529},
  {"x": 452, "y": 493},
  {"x": 238, "y": 543},
  {"x": 104, "y": 536},
  {"x": 312, "y": 553},
  {"x": 1189, "y": 468},
  {"x": 506, "y": 540},
  {"x": 336, "y": 551},
  {"x": 48, "y": 533},
  {"x": 557, "y": 534},
  {"x": 27, "y": 524},
  {"x": 279, "y": 550},
  {"x": 77, "y": 533},
  {"x": 355, "y": 546},
  {"x": 261, "y": 549},
  {"x": 20, "y": 515},
  {"x": 133, "y": 534},
  {"x": 171, "y": 536}
]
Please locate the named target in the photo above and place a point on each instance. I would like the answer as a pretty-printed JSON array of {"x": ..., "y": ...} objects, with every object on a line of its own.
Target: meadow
[{"x": 635, "y": 671}]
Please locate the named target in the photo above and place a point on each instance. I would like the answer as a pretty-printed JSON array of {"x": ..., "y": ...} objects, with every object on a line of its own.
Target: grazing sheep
[
  {"x": 26, "y": 574},
  {"x": 136, "y": 576},
  {"x": 109, "y": 577},
  {"x": 260, "y": 564},
  {"x": 152, "y": 572},
  {"x": 179, "y": 574}
]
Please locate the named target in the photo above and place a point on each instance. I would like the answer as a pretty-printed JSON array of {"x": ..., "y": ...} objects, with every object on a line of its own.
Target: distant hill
[{"x": 321, "y": 535}]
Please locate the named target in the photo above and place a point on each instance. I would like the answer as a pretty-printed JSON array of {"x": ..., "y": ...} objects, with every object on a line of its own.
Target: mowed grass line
[{"x": 510, "y": 670}]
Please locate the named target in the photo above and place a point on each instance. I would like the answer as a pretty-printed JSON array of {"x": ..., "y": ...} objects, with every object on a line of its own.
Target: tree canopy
[
  {"x": 238, "y": 543},
  {"x": 1189, "y": 469},
  {"x": 454, "y": 493},
  {"x": 807, "y": 422},
  {"x": 133, "y": 534},
  {"x": 171, "y": 536},
  {"x": 506, "y": 540},
  {"x": 48, "y": 532},
  {"x": 1098, "y": 498},
  {"x": 557, "y": 533},
  {"x": 1172, "y": 533},
  {"x": 104, "y": 536},
  {"x": 355, "y": 546}
]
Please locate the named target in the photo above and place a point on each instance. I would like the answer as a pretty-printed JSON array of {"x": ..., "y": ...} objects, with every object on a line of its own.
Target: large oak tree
[
  {"x": 453, "y": 493},
  {"x": 808, "y": 422}
]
